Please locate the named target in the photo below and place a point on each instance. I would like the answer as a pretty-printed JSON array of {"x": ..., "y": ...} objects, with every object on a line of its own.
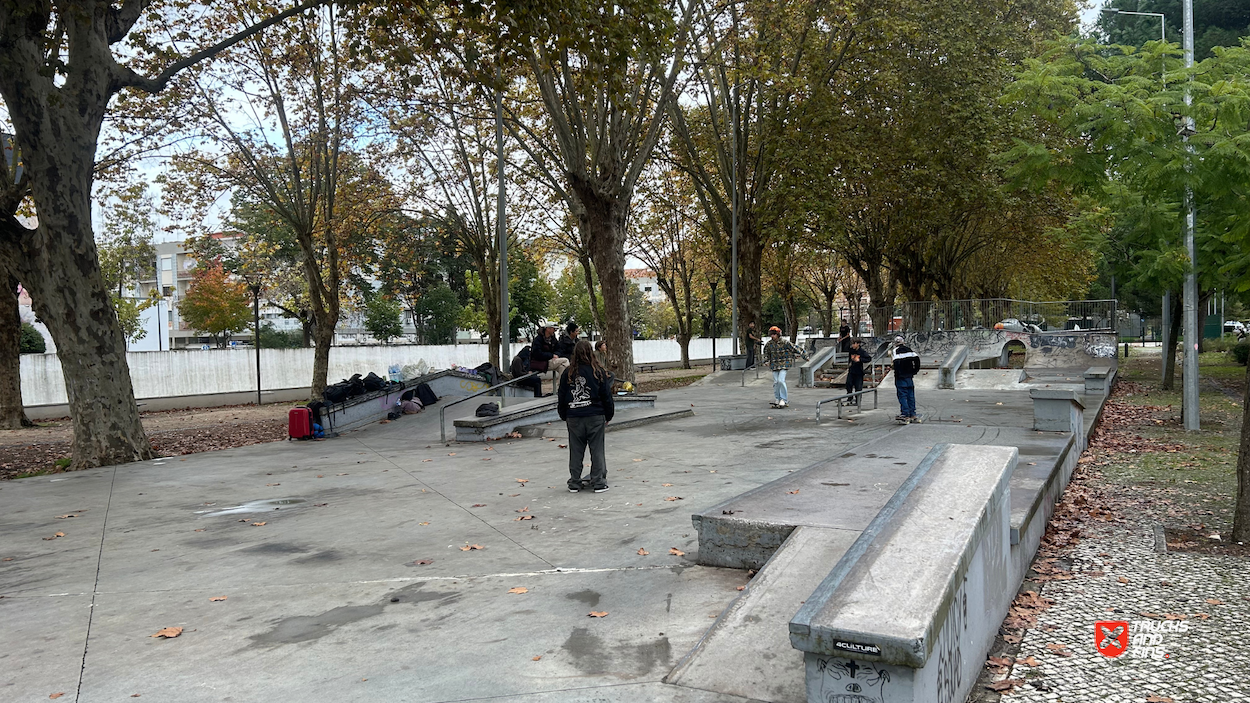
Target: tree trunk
[
  {"x": 603, "y": 222},
  {"x": 1169, "y": 353},
  {"x": 488, "y": 269},
  {"x": 750, "y": 292},
  {"x": 12, "y": 414},
  {"x": 1241, "y": 508},
  {"x": 588, "y": 273},
  {"x": 826, "y": 313},
  {"x": 323, "y": 339}
]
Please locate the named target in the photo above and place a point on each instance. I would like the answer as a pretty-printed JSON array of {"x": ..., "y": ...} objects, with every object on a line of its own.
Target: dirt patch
[
  {"x": 37, "y": 450},
  {"x": 651, "y": 385},
  {"x": 1199, "y": 540}
]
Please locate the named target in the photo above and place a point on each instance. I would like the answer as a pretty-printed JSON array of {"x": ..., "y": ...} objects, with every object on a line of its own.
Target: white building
[{"x": 647, "y": 282}]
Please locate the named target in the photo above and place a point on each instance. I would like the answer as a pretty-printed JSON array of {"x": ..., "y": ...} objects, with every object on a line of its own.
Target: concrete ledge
[
  {"x": 618, "y": 423},
  {"x": 1098, "y": 379},
  {"x": 950, "y": 367},
  {"x": 534, "y": 412},
  {"x": 914, "y": 604},
  {"x": 807, "y": 372},
  {"x": 1056, "y": 410}
]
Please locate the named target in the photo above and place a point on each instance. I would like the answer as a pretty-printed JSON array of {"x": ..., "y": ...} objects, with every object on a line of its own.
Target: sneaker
[
  {"x": 575, "y": 487},
  {"x": 601, "y": 489},
  {"x": 782, "y": 404}
]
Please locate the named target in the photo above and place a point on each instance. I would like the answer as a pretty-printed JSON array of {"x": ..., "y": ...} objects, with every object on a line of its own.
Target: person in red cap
[{"x": 780, "y": 356}]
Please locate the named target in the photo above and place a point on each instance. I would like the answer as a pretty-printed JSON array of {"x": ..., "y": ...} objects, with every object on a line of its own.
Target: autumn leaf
[
  {"x": 526, "y": 509},
  {"x": 522, "y": 480},
  {"x": 1202, "y": 616},
  {"x": 479, "y": 505},
  {"x": 1005, "y": 684},
  {"x": 998, "y": 661},
  {"x": 57, "y": 695},
  {"x": 676, "y": 552},
  {"x": 671, "y": 498},
  {"x": 537, "y": 658},
  {"x": 1174, "y": 616},
  {"x": 793, "y": 492},
  {"x": 218, "y": 598},
  {"x": 1214, "y": 601},
  {"x": 68, "y": 515},
  {"x": 742, "y": 588},
  {"x": 519, "y": 589},
  {"x": 451, "y": 454},
  {"x": 471, "y": 547},
  {"x": 642, "y": 552},
  {"x": 168, "y": 633},
  {"x": 562, "y": 446},
  {"x": 598, "y": 613},
  {"x": 1122, "y": 580},
  {"x": 423, "y": 461},
  {"x": 1029, "y": 661},
  {"x": 666, "y": 485},
  {"x": 423, "y": 523},
  {"x": 1152, "y": 698},
  {"x": 59, "y": 534},
  {"x": 259, "y": 524},
  {"x": 524, "y": 517}
]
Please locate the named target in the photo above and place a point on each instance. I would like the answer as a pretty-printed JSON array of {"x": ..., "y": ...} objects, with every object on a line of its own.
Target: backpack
[
  {"x": 374, "y": 382},
  {"x": 487, "y": 410},
  {"x": 336, "y": 393},
  {"x": 407, "y": 395},
  {"x": 524, "y": 355},
  {"x": 490, "y": 373},
  {"x": 426, "y": 395}
]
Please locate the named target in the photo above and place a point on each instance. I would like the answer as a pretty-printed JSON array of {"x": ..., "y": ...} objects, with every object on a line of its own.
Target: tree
[
  {"x": 58, "y": 76},
  {"x": 15, "y": 340},
  {"x": 1216, "y": 23},
  {"x": 664, "y": 239},
  {"x": 215, "y": 304},
  {"x": 437, "y": 314},
  {"x": 31, "y": 342},
  {"x": 383, "y": 319}
]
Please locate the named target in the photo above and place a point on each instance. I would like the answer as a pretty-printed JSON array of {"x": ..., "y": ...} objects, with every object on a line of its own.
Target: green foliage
[
  {"x": 570, "y": 300},
  {"x": 528, "y": 293},
  {"x": 383, "y": 318},
  {"x": 1241, "y": 352},
  {"x": 30, "y": 341},
  {"x": 271, "y": 338},
  {"x": 129, "y": 314},
  {"x": 215, "y": 304},
  {"x": 1216, "y": 23},
  {"x": 437, "y": 313}
]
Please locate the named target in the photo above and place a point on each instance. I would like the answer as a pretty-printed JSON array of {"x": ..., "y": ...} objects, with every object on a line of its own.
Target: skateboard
[
  {"x": 907, "y": 420},
  {"x": 779, "y": 407}
]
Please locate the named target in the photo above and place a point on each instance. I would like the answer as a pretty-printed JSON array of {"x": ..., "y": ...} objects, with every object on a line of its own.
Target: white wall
[{"x": 177, "y": 373}]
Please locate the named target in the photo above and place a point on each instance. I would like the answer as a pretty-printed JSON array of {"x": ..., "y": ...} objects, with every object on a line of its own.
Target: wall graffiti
[
  {"x": 849, "y": 681},
  {"x": 949, "y": 673}
]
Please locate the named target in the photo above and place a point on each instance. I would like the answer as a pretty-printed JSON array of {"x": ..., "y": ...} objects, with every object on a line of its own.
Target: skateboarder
[
  {"x": 855, "y": 374},
  {"x": 906, "y": 366},
  {"x": 780, "y": 355}
]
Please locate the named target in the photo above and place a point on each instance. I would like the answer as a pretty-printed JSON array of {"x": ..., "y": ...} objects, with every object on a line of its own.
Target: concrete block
[
  {"x": 951, "y": 365},
  {"x": 1057, "y": 411},
  {"x": 911, "y": 609},
  {"x": 1098, "y": 379},
  {"x": 534, "y": 412},
  {"x": 807, "y": 372}
]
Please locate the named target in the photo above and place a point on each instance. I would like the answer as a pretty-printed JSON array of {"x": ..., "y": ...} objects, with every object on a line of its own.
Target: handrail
[
  {"x": 442, "y": 427},
  {"x": 873, "y": 391},
  {"x": 755, "y": 366}
]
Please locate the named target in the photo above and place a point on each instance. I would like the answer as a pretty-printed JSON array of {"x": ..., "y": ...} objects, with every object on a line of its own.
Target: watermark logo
[{"x": 1111, "y": 637}]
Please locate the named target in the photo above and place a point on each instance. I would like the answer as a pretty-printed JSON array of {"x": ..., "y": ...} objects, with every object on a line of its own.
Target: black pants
[
  {"x": 587, "y": 432},
  {"x": 750, "y": 354},
  {"x": 535, "y": 384},
  {"x": 854, "y": 382}
]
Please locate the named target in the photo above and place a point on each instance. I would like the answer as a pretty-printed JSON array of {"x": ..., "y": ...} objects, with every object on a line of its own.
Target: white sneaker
[{"x": 782, "y": 404}]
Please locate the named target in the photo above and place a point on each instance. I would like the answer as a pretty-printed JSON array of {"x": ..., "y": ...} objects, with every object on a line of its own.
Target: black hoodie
[{"x": 585, "y": 395}]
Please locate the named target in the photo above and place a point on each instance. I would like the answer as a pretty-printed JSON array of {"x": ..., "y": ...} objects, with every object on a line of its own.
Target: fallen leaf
[
  {"x": 637, "y": 459},
  {"x": 57, "y": 695},
  {"x": 1005, "y": 684},
  {"x": 422, "y": 461},
  {"x": 1122, "y": 580},
  {"x": 259, "y": 524},
  {"x": 384, "y": 422},
  {"x": 479, "y": 505},
  {"x": 1029, "y": 661},
  {"x": 562, "y": 446},
  {"x": 1202, "y": 616},
  {"x": 273, "y": 484},
  {"x": 519, "y": 589},
  {"x": 676, "y": 552},
  {"x": 537, "y": 658},
  {"x": 671, "y": 498},
  {"x": 1214, "y": 601},
  {"x": 598, "y": 613},
  {"x": 643, "y": 552},
  {"x": 168, "y": 633},
  {"x": 1174, "y": 616},
  {"x": 59, "y": 534},
  {"x": 522, "y": 480},
  {"x": 7, "y": 559},
  {"x": 998, "y": 661},
  {"x": 793, "y": 492},
  {"x": 742, "y": 588},
  {"x": 323, "y": 475},
  {"x": 1152, "y": 698},
  {"x": 524, "y": 517},
  {"x": 513, "y": 495},
  {"x": 423, "y": 523},
  {"x": 68, "y": 515},
  {"x": 666, "y": 485},
  {"x": 471, "y": 547},
  {"x": 526, "y": 509},
  {"x": 422, "y": 562},
  {"x": 451, "y": 454},
  {"x": 200, "y": 529},
  {"x": 218, "y": 598}
]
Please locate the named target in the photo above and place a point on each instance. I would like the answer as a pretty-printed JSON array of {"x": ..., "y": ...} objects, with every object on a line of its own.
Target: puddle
[{"x": 255, "y": 506}]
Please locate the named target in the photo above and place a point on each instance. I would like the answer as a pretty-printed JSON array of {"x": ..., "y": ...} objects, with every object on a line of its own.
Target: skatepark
[{"x": 742, "y": 553}]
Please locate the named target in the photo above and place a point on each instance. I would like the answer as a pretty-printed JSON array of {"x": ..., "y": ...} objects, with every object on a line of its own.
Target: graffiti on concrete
[{"x": 849, "y": 681}]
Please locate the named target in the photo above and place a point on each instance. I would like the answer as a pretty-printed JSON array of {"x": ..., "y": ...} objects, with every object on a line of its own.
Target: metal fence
[{"x": 988, "y": 313}]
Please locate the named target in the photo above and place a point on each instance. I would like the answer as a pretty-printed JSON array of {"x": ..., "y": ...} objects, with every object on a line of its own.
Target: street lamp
[{"x": 1162, "y": 21}]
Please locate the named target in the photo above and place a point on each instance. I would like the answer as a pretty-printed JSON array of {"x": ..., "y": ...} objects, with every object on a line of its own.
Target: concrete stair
[{"x": 747, "y": 651}]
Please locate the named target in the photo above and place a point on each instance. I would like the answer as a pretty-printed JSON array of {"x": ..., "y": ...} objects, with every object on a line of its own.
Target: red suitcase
[{"x": 299, "y": 423}]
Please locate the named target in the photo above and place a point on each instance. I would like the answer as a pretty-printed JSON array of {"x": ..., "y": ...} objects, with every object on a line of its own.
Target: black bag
[
  {"x": 490, "y": 373},
  {"x": 407, "y": 395},
  {"x": 374, "y": 382},
  {"x": 337, "y": 393},
  {"x": 426, "y": 395},
  {"x": 355, "y": 386},
  {"x": 393, "y": 415},
  {"x": 524, "y": 355},
  {"x": 487, "y": 410},
  {"x": 316, "y": 407}
]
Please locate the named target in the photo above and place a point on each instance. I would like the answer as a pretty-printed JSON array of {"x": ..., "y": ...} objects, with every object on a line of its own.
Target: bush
[
  {"x": 271, "y": 338},
  {"x": 30, "y": 341},
  {"x": 1241, "y": 352}
]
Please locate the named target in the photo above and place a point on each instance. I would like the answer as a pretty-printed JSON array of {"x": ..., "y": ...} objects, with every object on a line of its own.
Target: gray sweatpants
[{"x": 583, "y": 432}]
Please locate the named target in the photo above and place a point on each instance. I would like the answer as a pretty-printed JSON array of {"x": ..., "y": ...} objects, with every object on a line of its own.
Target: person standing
[
  {"x": 780, "y": 355},
  {"x": 855, "y": 372},
  {"x": 906, "y": 366},
  {"x": 844, "y": 338},
  {"x": 753, "y": 340},
  {"x": 585, "y": 404}
]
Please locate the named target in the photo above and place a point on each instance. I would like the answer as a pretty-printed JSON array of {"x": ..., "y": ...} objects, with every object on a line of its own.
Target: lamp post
[
  {"x": 734, "y": 208},
  {"x": 501, "y": 234},
  {"x": 711, "y": 281},
  {"x": 1190, "y": 380},
  {"x": 256, "y": 334}
]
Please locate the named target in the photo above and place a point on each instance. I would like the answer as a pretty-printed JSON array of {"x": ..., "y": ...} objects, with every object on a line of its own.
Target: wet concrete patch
[
  {"x": 590, "y": 598},
  {"x": 254, "y": 506},
  {"x": 303, "y": 628}
]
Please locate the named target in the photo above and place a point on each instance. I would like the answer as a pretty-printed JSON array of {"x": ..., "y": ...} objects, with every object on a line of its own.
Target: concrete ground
[{"x": 382, "y": 565}]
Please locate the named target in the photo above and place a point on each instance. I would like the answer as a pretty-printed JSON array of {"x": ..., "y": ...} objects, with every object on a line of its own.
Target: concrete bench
[
  {"x": 910, "y": 610},
  {"x": 534, "y": 412},
  {"x": 1098, "y": 379},
  {"x": 951, "y": 365}
]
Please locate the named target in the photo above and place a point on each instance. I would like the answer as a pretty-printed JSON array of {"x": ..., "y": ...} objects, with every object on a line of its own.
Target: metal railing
[
  {"x": 985, "y": 313},
  {"x": 442, "y": 426},
  {"x": 755, "y": 368},
  {"x": 841, "y": 398}
]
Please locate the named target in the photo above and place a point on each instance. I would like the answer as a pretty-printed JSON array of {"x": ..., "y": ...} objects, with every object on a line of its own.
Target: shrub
[
  {"x": 1241, "y": 352},
  {"x": 30, "y": 341}
]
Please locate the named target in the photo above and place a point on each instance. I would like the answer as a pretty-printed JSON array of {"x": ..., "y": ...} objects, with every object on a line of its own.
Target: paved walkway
[{"x": 385, "y": 566}]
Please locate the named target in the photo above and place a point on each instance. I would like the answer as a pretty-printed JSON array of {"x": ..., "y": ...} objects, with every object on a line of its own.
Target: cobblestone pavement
[{"x": 1189, "y": 626}]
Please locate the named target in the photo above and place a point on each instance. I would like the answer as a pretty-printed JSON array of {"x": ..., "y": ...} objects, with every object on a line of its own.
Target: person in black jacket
[
  {"x": 520, "y": 367},
  {"x": 568, "y": 340},
  {"x": 906, "y": 366},
  {"x": 545, "y": 350},
  {"x": 585, "y": 404},
  {"x": 855, "y": 374}
]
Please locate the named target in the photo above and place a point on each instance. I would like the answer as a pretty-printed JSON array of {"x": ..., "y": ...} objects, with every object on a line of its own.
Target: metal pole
[
  {"x": 713, "y": 285},
  {"x": 733, "y": 325},
  {"x": 256, "y": 318},
  {"x": 501, "y": 235},
  {"x": 1190, "y": 407},
  {"x": 1166, "y": 324}
]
